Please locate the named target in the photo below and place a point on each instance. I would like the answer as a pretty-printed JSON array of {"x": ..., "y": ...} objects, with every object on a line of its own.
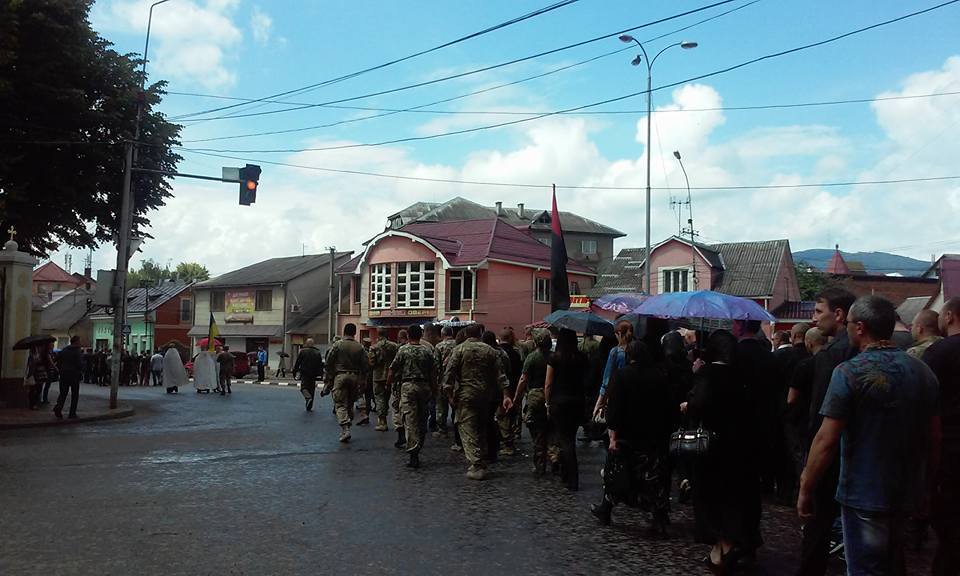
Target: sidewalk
[{"x": 91, "y": 408}]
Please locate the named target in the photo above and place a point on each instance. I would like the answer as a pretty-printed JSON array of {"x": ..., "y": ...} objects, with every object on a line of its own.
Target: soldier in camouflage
[
  {"x": 413, "y": 368},
  {"x": 347, "y": 367},
  {"x": 472, "y": 371},
  {"x": 532, "y": 381},
  {"x": 395, "y": 401},
  {"x": 443, "y": 351},
  {"x": 365, "y": 395},
  {"x": 382, "y": 355}
]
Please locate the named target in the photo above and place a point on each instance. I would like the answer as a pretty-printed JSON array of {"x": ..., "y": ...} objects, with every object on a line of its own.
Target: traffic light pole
[
  {"x": 118, "y": 294},
  {"x": 184, "y": 175}
]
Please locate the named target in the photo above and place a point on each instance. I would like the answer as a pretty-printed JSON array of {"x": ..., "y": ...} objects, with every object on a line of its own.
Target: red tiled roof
[
  {"x": 50, "y": 272},
  {"x": 469, "y": 242},
  {"x": 837, "y": 264}
]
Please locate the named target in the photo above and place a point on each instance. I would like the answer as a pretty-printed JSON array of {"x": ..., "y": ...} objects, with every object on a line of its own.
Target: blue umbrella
[
  {"x": 619, "y": 303},
  {"x": 703, "y": 304},
  {"x": 586, "y": 323}
]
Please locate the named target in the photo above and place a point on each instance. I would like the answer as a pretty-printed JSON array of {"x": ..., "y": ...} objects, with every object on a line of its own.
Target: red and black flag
[{"x": 559, "y": 286}]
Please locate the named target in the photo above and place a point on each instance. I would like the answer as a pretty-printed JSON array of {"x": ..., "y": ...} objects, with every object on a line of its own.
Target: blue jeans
[{"x": 873, "y": 542}]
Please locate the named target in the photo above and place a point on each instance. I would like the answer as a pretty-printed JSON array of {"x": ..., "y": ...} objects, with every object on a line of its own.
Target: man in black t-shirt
[{"x": 943, "y": 358}]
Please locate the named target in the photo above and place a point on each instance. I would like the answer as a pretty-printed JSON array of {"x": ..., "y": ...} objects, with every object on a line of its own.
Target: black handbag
[{"x": 691, "y": 443}]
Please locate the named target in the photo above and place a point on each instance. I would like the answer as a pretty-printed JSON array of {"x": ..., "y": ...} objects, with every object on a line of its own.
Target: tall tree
[
  {"x": 67, "y": 105},
  {"x": 812, "y": 281},
  {"x": 150, "y": 272},
  {"x": 192, "y": 272}
]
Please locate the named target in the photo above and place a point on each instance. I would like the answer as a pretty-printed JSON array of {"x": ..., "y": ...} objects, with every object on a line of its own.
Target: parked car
[{"x": 241, "y": 365}]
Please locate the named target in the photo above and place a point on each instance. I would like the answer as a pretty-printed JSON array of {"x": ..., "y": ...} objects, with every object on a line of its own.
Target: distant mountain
[{"x": 874, "y": 262}]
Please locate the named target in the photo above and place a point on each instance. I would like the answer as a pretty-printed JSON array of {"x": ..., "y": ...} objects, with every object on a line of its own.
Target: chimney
[
  {"x": 520, "y": 210},
  {"x": 499, "y": 209}
]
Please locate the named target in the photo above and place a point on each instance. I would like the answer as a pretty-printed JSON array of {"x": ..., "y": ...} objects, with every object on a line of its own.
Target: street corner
[{"x": 13, "y": 419}]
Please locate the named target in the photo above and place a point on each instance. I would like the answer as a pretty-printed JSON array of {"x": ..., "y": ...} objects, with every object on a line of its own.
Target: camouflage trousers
[
  {"x": 509, "y": 424},
  {"x": 535, "y": 417},
  {"x": 345, "y": 386},
  {"x": 395, "y": 404},
  {"x": 414, "y": 397},
  {"x": 382, "y": 396},
  {"x": 472, "y": 414},
  {"x": 443, "y": 410}
]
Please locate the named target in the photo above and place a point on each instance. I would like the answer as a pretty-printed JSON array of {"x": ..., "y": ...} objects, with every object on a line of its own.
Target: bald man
[{"x": 926, "y": 331}]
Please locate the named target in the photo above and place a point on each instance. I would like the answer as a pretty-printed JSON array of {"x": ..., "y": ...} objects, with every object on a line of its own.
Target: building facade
[
  {"x": 277, "y": 304},
  {"x": 157, "y": 316},
  {"x": 483, "y": 270}
]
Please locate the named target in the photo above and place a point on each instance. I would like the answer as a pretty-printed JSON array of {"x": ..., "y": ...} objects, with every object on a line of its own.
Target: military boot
[
  {"x": 414, "y": 460},
  {"x": 345, "y": 433},
  {"x": 401, "y": 439},
  {"x": 476, "y": 473},
  {"x": 603, "y": 510},
  {"x": 381, "y": 425}
]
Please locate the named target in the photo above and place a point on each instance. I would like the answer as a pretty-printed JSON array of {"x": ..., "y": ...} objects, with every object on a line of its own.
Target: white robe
[
  {"x": 174, "y": 374},
  {"x": 204, "y": 371}
]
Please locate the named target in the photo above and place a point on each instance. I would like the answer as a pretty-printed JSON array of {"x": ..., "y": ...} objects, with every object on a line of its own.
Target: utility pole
[
  {"x": 689, "y": 229},
  {"x": 331, "y": 313}
]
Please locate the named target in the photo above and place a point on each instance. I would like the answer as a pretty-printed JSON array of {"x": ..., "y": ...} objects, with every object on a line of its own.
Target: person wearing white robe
[
  {"x": 204, "y": 372},
  {"x": 174, "y": 374}
]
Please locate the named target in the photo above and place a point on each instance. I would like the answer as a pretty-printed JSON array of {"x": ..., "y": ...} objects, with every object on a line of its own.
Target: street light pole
[
  {"x": 119, "y": 292},
  {"x": 636, "y": 61},
  {"x": 693, "y": 247}
]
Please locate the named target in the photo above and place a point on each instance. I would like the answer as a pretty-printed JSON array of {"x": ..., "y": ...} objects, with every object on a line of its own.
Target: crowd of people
[{"x": 850, "y": 418}]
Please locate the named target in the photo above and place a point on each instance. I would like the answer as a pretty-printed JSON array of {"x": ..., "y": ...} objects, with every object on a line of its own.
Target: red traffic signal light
[{"x": 249, "y": 180}]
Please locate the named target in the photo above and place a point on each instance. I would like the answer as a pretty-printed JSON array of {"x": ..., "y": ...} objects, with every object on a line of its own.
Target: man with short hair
[
  {"x": 926, "y": 331},
  {"x": 346, "y": 369},
  {"x": 471, "y": 372},
  {"x": 413, "y": 368},
  {"x": 156, "y": 368},
  {"x": 309, "y": 366},
  {"x": 943, "y": 358},
  {"x": 881, "y": 410},
  {"x": 382, "y": 354},
  {"x": 442, "y": 351},
  {"x": 787, "y": 356},
  {"x": 261, "y": 363},
  {"x": 70, "y": 365},
  {"x": 830, "y": 317},
  {"x": 225, "y": 362},
  {"x": 901, "y": 334}
]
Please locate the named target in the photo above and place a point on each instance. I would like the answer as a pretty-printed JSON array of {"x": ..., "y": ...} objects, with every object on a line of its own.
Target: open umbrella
[
  {"x": 620, "y": 303},
  {"x": 703, "y": 304},
  {"x": 202, "y": 344},
  {"x": 586, "y": 323},
  {"x": 31, "y": 341}
]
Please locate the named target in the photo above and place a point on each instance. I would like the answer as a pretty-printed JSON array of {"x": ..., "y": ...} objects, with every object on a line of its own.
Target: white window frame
[
  {"x": 381, "y": 286},
  {"x": 592, "y": 244},
  {"x": 542, "y": 290},
  {"x": 416, "y": 284},
  {"x": 673, "y": 273},
  {"x": 465, "y": 278}
]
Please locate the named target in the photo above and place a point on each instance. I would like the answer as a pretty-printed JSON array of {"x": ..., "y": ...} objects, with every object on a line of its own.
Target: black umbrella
[
  {"x": 31, "y": 341},
  {"x": 583, "y": 322}
]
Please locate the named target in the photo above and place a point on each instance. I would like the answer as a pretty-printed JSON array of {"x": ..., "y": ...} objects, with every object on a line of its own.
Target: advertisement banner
[{"x": 239, "y": 305}]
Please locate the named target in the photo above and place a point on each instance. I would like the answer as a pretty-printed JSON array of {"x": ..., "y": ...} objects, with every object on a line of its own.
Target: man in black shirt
[
  {"x": 70, "y": 364},
  {"x": 830, "y": 316},
  {"x": 943, "y": 358}
]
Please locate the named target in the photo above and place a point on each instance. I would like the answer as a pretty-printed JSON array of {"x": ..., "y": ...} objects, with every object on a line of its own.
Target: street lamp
[
  {"x": 686, "y": 45},
  {"x": 693, "y": 248}
]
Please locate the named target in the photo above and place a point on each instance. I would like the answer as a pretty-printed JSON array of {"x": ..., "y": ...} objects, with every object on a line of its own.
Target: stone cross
[{"x": 12, "y": 232}]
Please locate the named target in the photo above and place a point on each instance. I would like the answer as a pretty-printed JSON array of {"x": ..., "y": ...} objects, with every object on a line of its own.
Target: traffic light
[{"x": 249, "y": 179}]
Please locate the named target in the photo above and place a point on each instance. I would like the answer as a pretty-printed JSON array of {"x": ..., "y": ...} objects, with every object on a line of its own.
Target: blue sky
[{"x": 254, "y": 49}]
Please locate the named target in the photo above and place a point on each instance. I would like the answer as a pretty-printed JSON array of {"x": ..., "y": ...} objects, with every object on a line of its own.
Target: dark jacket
[
  {"x": 831, "y": 356},
  {"x": 309, "y": 364},
  {"x": 70, "y": 361}
]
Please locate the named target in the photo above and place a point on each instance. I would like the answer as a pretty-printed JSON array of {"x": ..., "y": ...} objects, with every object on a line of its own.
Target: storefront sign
[
  {"x": 579, "y": 301},
  {"x": 412, "y": 312},
  {"x": 239, "y": 306}
]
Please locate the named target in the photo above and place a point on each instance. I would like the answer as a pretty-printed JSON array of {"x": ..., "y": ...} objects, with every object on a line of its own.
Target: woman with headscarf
[
  {"x": 725, "y": 480},
  {"x": 639, "y": 421},
  {"x": 563, "y": 393}
]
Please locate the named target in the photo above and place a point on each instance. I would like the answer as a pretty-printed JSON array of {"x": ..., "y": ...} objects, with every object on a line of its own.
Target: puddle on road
[{"x": 190, "y": 457}]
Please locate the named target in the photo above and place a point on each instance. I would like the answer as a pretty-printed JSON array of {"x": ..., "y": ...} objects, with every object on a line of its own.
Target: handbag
[
  {"x": 618, "y": 476},
  {"x": 29, "y": 381},
  {"x": 691, "y": 443}
]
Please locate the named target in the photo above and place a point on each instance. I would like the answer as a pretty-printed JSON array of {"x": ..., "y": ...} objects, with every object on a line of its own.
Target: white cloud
[
  {"x": 262, "y": 26},
  {"x": 190, "y": 40}
]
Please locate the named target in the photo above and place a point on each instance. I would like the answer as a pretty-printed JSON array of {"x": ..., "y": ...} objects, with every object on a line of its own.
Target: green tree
[
  {"x": 812, "y": 281},
  {"x": 67, "y": 106},
  {"x": 192, "y": 272},
  {"x": 150, "y": 272}
]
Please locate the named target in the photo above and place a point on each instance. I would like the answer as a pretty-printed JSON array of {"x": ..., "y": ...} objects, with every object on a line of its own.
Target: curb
[{"x": 122, "y": 412}]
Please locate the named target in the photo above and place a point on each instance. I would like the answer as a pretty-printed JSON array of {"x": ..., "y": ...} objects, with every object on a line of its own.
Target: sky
[{"x": 209, "y": 49}]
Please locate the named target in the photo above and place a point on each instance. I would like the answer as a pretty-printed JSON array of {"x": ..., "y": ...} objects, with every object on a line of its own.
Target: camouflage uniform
[
  {"x": 347, "y": 367},
  {"x": 535, "y": 408},
  {"x": 472, "y": 373},
  {"x": 383, "y": 353},
  {"x": 365, "y": 394},
  {"x": 413, "y": 368},
  {"x": 443, "y": 351}
]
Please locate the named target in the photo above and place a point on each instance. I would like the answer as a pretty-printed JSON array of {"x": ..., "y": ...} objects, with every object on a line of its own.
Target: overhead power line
[
  {"x": 568, "y": 187},
  {"x": 461, "y": 74},
  {"x": 487, "y": 30},
  {"x": 593, "y": 104},
  {"x": 419, "y": 107}
]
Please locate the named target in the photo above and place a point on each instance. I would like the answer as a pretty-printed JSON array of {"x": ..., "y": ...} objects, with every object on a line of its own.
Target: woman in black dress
[
  {"x": 639, "y": 420},
  {"x": 725, "y": 483},
  {"x": 567, "y": 372}
]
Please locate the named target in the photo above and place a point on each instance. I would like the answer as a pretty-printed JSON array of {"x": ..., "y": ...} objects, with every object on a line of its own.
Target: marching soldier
[
  {"x": 395, "y": 401},
  {"x": 413, "y": 368},
  {"x": 472, "y": 371},
  {"x": 382, "y": 354},
  {"x": 443, "y": 350},
  {"x": 310, "y": 367},
  {"x": 347, "y": 368}
]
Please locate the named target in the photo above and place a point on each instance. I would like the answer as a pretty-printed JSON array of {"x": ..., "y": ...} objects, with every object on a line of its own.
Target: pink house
[
  {"x": 484, "y": 270},
  {"x": 762, "y": 271}
]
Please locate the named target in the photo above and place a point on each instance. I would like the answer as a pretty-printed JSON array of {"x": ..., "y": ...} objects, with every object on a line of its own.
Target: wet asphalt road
[{"x": 252, "y": 484}]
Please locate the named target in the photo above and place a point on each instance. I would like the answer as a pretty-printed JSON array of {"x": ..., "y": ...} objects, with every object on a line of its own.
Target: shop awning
[{"x": 240, "y": 330}]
